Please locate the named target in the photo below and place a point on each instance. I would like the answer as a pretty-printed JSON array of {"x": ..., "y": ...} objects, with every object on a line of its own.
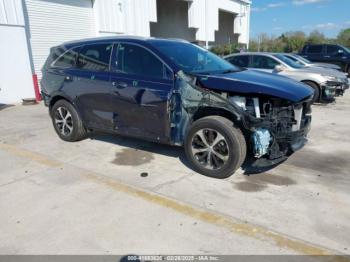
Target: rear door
[
  {"x": 315, "y": 53},
  {"x": 263, "y": 63},
  {"x": 92, "y": 85},
  {"x": 142, "y": 86}
]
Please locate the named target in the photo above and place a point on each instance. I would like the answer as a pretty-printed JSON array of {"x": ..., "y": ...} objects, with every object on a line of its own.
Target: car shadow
[
  {"x": 139, "y": 144},
  {"x": 249, "y": 167},
  {"x": 4, "y": 106}
]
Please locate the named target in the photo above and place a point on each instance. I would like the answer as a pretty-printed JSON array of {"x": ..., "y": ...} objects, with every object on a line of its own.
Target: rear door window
[
  {"x": 264, "y": 62},
  {"x": 95, "y": 57},
  {"x": 67, "y": 59},
  {"x": 315, "y": 49},
  {"x": 136, "y": 60},
  {"x": 241, "y": 60}
]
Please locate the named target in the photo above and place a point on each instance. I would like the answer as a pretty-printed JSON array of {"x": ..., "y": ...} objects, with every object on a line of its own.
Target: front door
[
  {"x": 335, "y": 55},
  {"x": 141, "y": 90},
  {"x": 263, "y": 63}
]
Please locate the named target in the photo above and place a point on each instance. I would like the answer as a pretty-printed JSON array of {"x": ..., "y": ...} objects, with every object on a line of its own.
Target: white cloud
[
  {"x": 258, "y": 9},
  {"x": 304, "y": 2},
  {"x": 272, "y": 5},
  {"x": 277, "y": 28},
  {"x": 327, "y": 26},
  {"x": 322, "y": 27}
]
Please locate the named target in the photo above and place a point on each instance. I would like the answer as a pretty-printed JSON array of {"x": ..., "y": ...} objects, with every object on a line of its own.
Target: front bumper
[
  {"x": 284, "y": 145},
  {"x": 333, "y": 89}
]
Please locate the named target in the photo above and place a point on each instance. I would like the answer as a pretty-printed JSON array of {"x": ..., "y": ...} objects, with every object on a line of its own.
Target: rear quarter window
[{"x": 65, "y": 60}]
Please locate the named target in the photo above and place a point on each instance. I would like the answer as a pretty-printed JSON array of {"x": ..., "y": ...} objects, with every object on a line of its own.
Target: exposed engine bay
[
  {"x": 274, "y": 128},
  {"x": 281, "y": 124}
]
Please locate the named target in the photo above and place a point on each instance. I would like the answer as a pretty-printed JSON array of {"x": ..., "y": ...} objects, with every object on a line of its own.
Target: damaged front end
[{"x": 274, "y": 127}]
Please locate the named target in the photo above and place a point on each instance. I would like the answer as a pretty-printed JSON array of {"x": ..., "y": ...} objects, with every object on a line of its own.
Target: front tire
[
  {"x": 317, "y": 93},
  {"x": 66, "y": 121},
  {"x": 214, "y": 147}
]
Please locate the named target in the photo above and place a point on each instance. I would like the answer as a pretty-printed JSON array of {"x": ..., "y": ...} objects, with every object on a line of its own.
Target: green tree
[
  {"x": 344, "y": 37},
  {"x": 316, "y": 37},
  {"x": 294, "y": 41}
]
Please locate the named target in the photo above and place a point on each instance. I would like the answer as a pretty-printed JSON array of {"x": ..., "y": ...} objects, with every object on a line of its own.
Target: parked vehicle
[
  {"x": 305, "y": 62},
  {"x": 328, "y": 53},
  {"x": 325, "y": 86},
  {"x": 176, "y": 93},
  {"x": 337, "y": 75}
]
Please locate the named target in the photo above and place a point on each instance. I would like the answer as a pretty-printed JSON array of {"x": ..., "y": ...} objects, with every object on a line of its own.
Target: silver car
[
  {"x": 303, "y": 61},
  {"x": 326, "y": 85}
]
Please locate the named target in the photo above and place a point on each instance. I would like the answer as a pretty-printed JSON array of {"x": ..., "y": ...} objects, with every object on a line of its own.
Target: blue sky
[{"x": 277, "y": 16}]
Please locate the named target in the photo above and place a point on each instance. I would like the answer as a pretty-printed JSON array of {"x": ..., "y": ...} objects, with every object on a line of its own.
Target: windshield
[
  {"x": 288, "y": 61},
  {"x": 194, "y": 59},
  {"x": 303, "y": 59},
  {"x": 295, "y": 59},
  {"x": 347, "y": 49}
]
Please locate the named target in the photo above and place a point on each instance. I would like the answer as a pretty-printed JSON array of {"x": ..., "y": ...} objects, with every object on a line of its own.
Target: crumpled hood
[{"x": 254, "y": 82}]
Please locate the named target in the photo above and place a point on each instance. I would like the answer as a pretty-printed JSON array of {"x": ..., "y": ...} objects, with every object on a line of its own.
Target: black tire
[
  {"x": 78, "y": 131},
  {"x": 234, "y": 140},
  {"x": 317, "y": 92}
]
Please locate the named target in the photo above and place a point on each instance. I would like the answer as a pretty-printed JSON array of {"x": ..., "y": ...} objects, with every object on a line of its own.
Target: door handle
[{"x": 120, "y": 84}]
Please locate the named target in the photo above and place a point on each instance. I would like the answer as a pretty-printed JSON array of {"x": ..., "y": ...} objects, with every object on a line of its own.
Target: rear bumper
[{"x": 46, "y": 98}]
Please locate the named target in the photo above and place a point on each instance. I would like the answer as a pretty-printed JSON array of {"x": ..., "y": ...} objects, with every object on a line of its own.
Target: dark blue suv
[{"x": 174, "y": 92}]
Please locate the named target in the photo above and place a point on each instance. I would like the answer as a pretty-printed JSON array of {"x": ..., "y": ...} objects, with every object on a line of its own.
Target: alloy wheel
[
  {"x": 210, "y": 149},
  {"x": 63, "y": 121}
]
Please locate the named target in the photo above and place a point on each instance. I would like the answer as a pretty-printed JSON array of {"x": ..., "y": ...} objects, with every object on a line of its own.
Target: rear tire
[
  {"x": 317, "y": 91},
  {"x": 214, "y": 147},
  {"x": 67, "y": 122}
]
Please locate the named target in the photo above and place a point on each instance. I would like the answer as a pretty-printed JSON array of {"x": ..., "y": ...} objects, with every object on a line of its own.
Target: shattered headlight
[{"x": 261, "y": 139}]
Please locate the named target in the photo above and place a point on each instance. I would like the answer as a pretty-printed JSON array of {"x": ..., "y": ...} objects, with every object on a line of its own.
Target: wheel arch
[
  {"x": 214, "y": 111},
  {"x": 315, "y": 83},
  {"x": 217, "y": 111},
  {"x": 57, "y": 97}
]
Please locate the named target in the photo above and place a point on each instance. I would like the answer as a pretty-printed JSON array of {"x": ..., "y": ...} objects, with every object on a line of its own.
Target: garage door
[{"x": 52, "y": 22}]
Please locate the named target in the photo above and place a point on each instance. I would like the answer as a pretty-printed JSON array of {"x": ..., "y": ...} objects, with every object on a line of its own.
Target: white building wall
[
  {"x": 133, "y": 17},
  {"x": 74, "y": 20},
  {"x": 11, "y": 12},
  {"x": 209, "y": 23},
  {"x": 16, "y": 75},
  {"x": 130, "y": 17}
]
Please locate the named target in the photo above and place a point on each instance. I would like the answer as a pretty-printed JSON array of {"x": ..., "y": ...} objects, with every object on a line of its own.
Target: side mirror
[
  {"x": 279, "y": 68},
  {"x": 340, "y": 52}
]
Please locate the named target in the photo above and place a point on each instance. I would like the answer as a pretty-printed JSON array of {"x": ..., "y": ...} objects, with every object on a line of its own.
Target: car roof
[
  {"x": 147, "y": 42},
  {"x": 121, "y": 38}
]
